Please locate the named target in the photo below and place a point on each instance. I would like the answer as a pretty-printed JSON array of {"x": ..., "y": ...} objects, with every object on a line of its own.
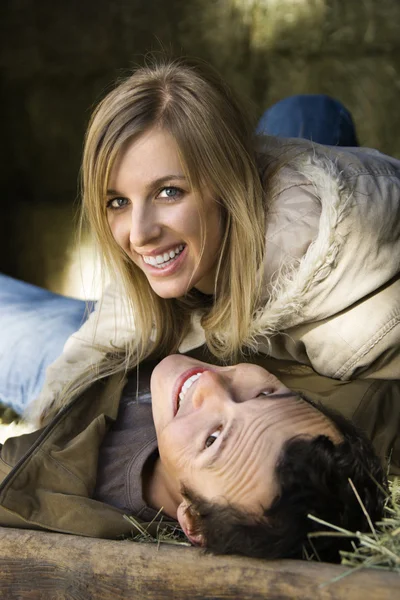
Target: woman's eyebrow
[
  {"x": 113, "y": 193},
  {"x": 154, "y": 183}
]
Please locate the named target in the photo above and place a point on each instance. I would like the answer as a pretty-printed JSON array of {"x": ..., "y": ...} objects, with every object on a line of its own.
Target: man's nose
[
  {"x": 211, "y": 391},
  {"x": 144, "y": 227}
]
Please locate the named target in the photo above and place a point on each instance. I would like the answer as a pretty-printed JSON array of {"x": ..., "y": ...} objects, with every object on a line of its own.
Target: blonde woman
[{"x": 213, "y": 236}]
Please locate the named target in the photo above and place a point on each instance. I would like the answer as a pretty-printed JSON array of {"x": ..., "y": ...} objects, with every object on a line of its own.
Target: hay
[
  {"x": 11, "y": 424},
  {"x": 7, "y": 415},
  {"x": 156, "y": 532},
  {"x": 378, "y": 549}
]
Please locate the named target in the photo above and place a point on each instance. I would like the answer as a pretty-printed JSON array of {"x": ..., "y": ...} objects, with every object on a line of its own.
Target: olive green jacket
[{"x": 48, "y": 476}]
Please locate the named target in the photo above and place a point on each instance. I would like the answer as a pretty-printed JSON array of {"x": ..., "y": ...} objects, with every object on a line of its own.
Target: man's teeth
[
  {"x": 161, "y": 259},
  {"x": 187, "y": 384}
]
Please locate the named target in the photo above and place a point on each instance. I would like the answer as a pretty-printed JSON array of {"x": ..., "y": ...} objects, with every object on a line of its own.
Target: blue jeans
[
  {"x": 34, "y": 326},
  {"x": 35, "y": 323},
  {"x": 315, "y": 117}
]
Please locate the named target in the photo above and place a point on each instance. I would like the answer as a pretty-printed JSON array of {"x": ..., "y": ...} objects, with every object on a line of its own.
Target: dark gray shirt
[{"x": 127, "y": 449}]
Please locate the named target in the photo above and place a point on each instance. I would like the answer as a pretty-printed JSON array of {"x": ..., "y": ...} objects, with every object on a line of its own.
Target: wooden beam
[{"x": 43, "y": 566}]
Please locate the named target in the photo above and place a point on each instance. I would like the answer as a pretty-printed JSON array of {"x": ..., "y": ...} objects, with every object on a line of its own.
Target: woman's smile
[
  {"x": 156, "y": 218},
  {"x": 162, "y": 265},
  {"x": 164, "y": 258}
]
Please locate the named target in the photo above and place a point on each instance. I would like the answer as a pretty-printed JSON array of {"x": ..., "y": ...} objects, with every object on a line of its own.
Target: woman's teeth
[
  {"x": 187, "y": 384},
  {"x": 161, "y": 260}
]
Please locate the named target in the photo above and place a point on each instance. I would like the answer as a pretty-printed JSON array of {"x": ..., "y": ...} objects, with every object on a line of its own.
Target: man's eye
[
  {"x": 211, "y": 438},
  {"x": 170, "y": 192},
  {"x": 117, "y": 203},
  {"x": 265, "y": 393}
]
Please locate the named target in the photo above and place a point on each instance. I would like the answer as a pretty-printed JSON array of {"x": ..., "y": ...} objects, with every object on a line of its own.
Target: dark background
[{"x": 58, "y": 57}]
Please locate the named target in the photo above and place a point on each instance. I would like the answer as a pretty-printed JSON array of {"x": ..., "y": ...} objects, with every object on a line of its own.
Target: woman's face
[
  {"x": 154, "y": 217},
  {"x": 220, "y": 430}
]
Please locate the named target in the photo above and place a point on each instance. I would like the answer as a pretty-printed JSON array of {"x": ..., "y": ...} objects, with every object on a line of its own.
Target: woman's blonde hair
[{"x": 215, "y": 139}]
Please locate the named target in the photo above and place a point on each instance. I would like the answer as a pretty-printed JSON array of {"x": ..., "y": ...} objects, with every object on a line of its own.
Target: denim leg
[
  {"x": 34, "y": 326},
  {"x": 315, "y": 117}
]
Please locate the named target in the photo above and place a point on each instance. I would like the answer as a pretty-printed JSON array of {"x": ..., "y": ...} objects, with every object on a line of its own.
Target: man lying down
[{"x": 233, "y": 454}]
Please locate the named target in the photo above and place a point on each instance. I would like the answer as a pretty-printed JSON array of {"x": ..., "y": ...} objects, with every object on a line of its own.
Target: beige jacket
[{"x": 331, "y": 272}]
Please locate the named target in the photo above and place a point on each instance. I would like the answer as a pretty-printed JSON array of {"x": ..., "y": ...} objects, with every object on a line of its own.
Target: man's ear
[{"x": 187, "y": 522}]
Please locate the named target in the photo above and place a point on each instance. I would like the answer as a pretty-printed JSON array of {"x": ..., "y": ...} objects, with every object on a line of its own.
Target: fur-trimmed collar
[{"x": 288, "y": 295}]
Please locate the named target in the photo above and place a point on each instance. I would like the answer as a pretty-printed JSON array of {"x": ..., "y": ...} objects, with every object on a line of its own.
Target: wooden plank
[{"x": 44, "y": 566}]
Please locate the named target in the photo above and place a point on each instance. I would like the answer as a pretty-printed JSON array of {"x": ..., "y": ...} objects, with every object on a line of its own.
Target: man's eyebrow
[
  {"x": 285, "y": 395},
  {"x": 153, "y": 184}
]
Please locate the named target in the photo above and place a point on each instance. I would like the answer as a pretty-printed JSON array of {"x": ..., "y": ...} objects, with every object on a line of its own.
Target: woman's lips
[
  {"x": 179, "y": 383},
  {"x": 169, "y": 269}
]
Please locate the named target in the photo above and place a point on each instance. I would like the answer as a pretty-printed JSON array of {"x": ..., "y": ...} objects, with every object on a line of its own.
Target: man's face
[{"x": 220, "y": 430}]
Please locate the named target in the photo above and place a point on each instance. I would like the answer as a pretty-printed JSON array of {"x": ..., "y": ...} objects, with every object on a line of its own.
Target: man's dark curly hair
[{"x": 313, "y": 477}]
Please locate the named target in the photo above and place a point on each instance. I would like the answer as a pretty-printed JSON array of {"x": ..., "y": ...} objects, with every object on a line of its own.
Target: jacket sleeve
[
  {"x": 362, "y": 342},
  {"x": 338, "y": 309},
  {"x": 108, "y": 327},
  {"x": 361, "y": 296}
]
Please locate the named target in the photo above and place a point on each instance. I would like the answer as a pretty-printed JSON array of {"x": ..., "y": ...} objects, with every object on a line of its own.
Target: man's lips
[{"x": 179, "y": 383}]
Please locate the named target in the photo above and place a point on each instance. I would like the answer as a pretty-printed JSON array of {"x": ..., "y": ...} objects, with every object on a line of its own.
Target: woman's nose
[
  {"x": 144, "y": 227},
  {"x": 211, "y": 391}
]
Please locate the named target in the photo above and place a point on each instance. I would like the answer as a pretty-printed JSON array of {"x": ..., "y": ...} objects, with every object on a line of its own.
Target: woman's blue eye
[
  {"x": 170, "y": 192},
  {"x": 116, "y": 203}
]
